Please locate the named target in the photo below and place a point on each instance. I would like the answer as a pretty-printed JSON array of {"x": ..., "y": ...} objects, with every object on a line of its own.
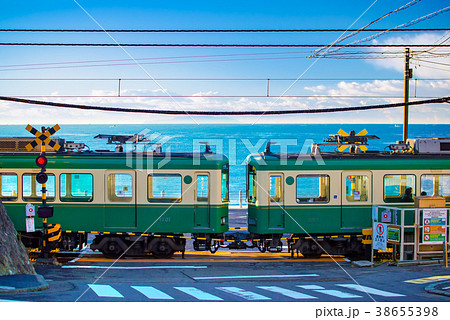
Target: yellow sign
[{"x": 43, "y": 137}]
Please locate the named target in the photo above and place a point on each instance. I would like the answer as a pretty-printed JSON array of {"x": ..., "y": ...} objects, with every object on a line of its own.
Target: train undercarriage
[{"x": 164, "y": 246}]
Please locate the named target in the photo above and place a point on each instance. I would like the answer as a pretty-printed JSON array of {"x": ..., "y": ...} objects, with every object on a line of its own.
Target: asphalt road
[{"x": 232, "y": 277}]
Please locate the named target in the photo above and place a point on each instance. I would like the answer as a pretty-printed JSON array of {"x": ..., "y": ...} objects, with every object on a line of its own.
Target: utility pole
[{"x": 408, "y": 75}]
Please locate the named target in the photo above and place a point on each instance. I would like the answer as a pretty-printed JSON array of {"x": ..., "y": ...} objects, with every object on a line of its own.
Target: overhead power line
[
  {"x": 217, "y": 30},
  {"x": 218, "y": 45},
  {"x": 404, "y": 25},
  {"x": 222, "y": 113},
  {"x": 217, "y": 79},
  {"x": 365, "y": 28}
]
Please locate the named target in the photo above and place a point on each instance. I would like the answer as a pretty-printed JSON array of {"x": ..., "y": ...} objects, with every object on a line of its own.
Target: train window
[
  {"x": 251, "y": 184},
  {"x": 32, "y": 190},
  {"x": 8, "y": 186},
  {"x": 225, "y": 183},
  {"x": 356, "y": 188},
  {"x": 202, "y": 187},
  {"x": 436, "y": 185},
  {"x": 313, "y": 188},
  {"x": 399, "y": 188},
  {"x": 164, "y": 188},
  {"x": 120, "y": 187},
  {"x": 275, "y": 188},
  {"x": 76, "y": 187}
]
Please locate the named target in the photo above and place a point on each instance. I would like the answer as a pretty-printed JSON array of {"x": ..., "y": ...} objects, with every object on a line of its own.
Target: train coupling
[{"x": 237, "y": 240}]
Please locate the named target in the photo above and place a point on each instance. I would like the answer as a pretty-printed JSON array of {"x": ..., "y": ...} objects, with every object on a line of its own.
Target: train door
[
  {"x": 356, "y": 209},
  {"x": 202, "y": 196},
  {"x": 120, "y": 199},
  {"x": 276, "y": 201}
]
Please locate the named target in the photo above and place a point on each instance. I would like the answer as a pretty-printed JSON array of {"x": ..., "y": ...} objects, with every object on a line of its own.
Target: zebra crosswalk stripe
[
  {"x": 339, "y": 294},
  {"x": 248, "y": 295},
  {"x": 105, "y": 290},
  {"x": 370, "y": 290},
  {"x": 198, "y": 294},
  {"x": 286, "y": 292},
  {"x": 334, "y": 293},
  {"x": 152, "y": 293}
]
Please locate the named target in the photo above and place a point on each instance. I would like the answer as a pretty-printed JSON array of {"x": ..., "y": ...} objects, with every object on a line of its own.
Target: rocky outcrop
[{"x": 13, "y": 255}]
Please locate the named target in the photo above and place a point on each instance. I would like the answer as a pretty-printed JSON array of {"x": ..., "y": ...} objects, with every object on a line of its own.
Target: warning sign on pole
[
  {"x": 29, "y": 210},
  {"x": 379, "y": 238},
  {"x": 434, "y": 226}
]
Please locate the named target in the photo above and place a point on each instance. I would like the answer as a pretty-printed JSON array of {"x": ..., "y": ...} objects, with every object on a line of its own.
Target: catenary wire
[
  {"x": 209, "y": 45},
  {"x": 364, "y": 28},
  {"x": 213, "y": 30},
  {"x": 222, "y": 113}
]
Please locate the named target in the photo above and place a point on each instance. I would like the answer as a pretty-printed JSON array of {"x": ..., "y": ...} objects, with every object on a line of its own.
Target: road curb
[
  {"x": 437, "y": 288},
  {"x": 23, "y": 283}
]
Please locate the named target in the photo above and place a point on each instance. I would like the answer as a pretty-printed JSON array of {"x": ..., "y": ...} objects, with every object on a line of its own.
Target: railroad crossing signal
[
  {"x": 358, "y": 143},
  {"x": 43, "y": 137},
  {"x": 45, "y": 211}
]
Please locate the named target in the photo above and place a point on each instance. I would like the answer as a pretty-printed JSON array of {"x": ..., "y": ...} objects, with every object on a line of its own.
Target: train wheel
[
  {"x": 112, "y": 250},
  {"x": 162, "y": 250},
  {"x": 310, "y": 250}
]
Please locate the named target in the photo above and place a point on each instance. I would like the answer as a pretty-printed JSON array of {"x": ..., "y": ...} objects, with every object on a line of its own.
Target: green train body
[
  {"x": 329, "y": 196},
  {"x": 124, "y": 197},
  {"x": 151, "y": 202}
]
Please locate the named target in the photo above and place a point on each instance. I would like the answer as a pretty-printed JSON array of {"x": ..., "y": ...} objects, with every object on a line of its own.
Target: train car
[
  {"x": 134, "y": 202},
  {"x": 323, "y": 200}
]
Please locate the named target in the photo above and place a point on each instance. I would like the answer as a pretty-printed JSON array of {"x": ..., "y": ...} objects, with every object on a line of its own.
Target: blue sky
[{"x": 113, "y": 63}]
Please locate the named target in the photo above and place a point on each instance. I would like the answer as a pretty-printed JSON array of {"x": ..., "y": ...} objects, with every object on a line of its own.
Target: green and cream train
[
  {"x": 127, "y": 199},
  {"x": 137, "y": 203},
  {"x": 324, "y": 200}
]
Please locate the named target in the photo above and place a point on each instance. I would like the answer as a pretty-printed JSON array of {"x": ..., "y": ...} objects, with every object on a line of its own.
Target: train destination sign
[{"x": 434, "y": 226}]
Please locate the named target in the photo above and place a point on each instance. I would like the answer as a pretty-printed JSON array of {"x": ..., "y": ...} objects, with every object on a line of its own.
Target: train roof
[
  {"x": 74, "y": 155},
  {"x": 348, "y": 161},
  {"x": 416, "y": 154},
  {"x": 116, "y": 160}
]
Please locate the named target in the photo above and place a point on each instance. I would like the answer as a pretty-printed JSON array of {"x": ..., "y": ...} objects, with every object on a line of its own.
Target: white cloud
[
  {"x": 425, "y": 60},
  {"x": 315, "y": 89},
  {"x": 15, "y": 113}
]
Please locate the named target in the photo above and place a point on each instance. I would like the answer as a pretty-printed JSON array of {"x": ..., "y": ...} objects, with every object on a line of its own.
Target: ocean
[{"x": 235, "y": 141}]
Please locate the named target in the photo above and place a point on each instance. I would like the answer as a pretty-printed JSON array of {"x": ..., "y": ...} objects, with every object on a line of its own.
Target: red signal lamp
[{"x": 41, "y": 161}]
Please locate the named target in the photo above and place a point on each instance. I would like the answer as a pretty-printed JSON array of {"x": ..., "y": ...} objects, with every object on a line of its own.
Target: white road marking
[
  {"x": 370, "y": 290},
  {"x": 258, "y": 276},
  {"x": 135, "y": 268},
  {"x": 311, "y": 287},
  {"x": 198, "y": 294},
  {"x": 248, "y": 295},
  {"x": 287, "y": 292},
  {"x": 152, "y": 293},
  {"x": 104, "y": 290},
  {"x": 334, "y": 293},
  {"x": 339, "y": 294},
  {"x": 7, "y": 288},
  {"x": 2, "y": 300}
]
